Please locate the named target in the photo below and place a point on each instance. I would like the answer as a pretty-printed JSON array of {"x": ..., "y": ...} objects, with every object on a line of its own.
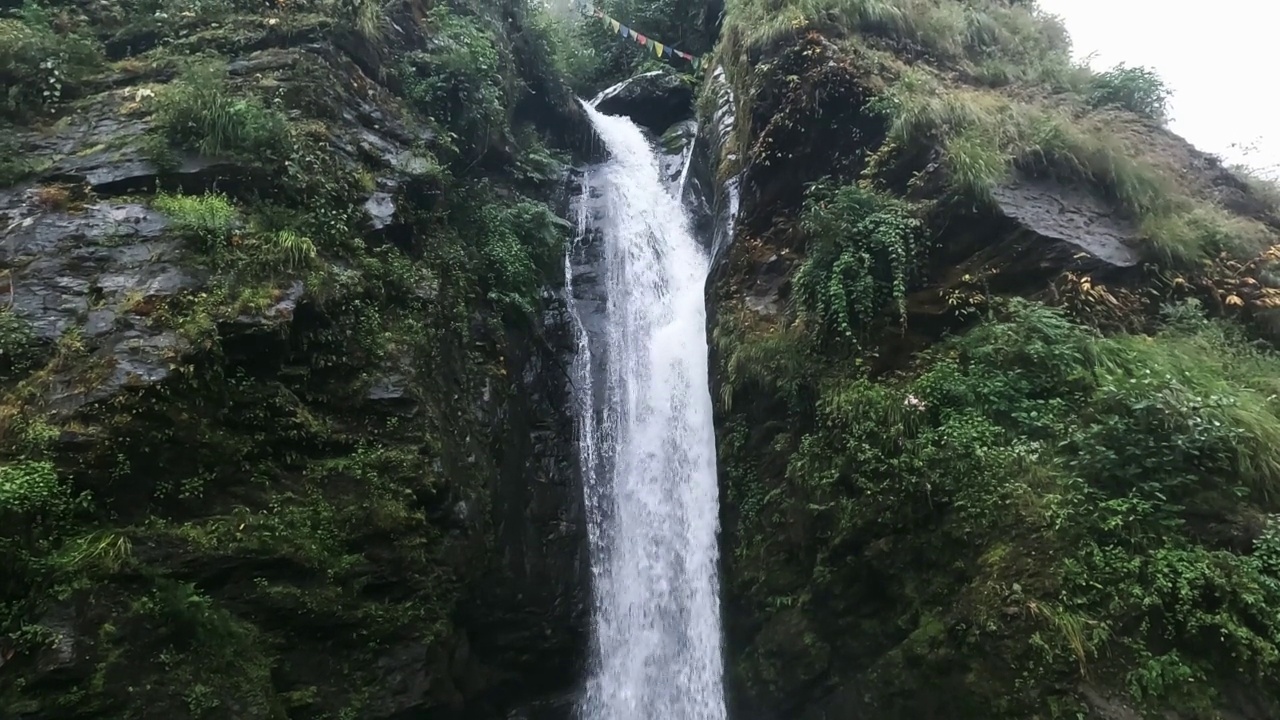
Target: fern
[{"x": 864, "y": 249}]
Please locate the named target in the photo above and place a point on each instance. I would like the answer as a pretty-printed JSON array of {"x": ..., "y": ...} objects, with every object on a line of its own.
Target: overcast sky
[{"x": 1218, "y": 57}]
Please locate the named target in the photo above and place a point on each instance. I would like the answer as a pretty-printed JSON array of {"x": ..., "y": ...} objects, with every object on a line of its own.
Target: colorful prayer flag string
[{"x": 661, "y": 50}]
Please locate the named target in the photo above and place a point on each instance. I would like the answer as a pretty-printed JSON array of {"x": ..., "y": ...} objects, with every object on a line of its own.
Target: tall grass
[
  {"x": 201, "y": 112},
  {"x": 262, "y": 245},
  {"x": 1208, "y": 376},
  {"x": 985, "y": 135},
  {"x": 774, "y": 361},
  {"x": 993, "y": 40},
  {"x": 1263, "y": 183}
]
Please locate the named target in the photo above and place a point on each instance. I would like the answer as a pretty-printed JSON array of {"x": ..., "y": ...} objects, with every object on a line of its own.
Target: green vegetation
[
  {"x": 1073, "y": 123},
  {"x": 199, "y": 112},
  {"x": 592, "y": 57},
  {"x": 209, "y": 217},
  {"x": 584, "y": 54},
  {"x": 298, "y": 519},
  {"x": 366, "y": 16},
  {"x": 18, "y": 347},
  {"x": 996, "y": 42},
  {"x": 520, "y": 245},
  {"x": 864, "y": 250},
  {"x": 1136, "y": 89},
  {"x": 212, "y": 222},
  {"x": 13, "y": 166},
  {"x": 986, "y": 135},
  {"x": 1033, "y": 437},
  {"x": 1001, "y": 507},
  {"x": 41, "y": 67},
  {"x": 459, "y": 82}
]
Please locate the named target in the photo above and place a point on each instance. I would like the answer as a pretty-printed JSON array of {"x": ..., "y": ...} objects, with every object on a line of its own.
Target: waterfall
[{"x": 646, "y": 442}]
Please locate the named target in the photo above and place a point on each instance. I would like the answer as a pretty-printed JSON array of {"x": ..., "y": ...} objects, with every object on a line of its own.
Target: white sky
[{"x": 1218, "y": 56}]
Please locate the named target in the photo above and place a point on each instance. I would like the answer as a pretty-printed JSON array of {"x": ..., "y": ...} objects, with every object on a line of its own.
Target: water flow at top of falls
[{"x": 647, "y": 446}]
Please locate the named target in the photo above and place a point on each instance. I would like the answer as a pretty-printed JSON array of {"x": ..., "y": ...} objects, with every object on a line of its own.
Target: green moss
[{"x": 1036, "y": 488}]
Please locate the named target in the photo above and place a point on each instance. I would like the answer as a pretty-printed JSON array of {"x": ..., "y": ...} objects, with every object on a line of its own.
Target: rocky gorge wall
[
  {"x": 284, "y": 427},
  {"x": 993, "y": 369}
]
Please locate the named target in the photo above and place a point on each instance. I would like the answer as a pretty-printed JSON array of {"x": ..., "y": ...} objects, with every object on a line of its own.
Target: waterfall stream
[{"x": 646, "y": 442}]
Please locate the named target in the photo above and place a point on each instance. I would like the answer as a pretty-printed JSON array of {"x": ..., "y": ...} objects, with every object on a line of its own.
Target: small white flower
[{"x": 913, "y": 402}]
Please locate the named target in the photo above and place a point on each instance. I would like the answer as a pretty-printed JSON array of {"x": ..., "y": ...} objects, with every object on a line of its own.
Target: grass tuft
[
  {"x": 985, "y": 135},
  {"x": 200, "y": 112},
  {"x": 209, "y": 216},
  {"x": 992, "y": 40}
]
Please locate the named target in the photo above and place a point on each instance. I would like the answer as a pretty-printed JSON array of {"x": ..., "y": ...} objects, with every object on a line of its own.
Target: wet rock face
[
  {"x": 654, "y": 101},
  {"x": 528, "y": 620},
  {"x": 98, "y": 272},
  {"x": 1037, "y": 230},
  {"x": 1059, "y": 214}
]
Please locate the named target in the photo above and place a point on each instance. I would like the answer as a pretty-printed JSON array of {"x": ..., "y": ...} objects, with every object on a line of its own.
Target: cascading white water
[{"x": 647, "y": 448}]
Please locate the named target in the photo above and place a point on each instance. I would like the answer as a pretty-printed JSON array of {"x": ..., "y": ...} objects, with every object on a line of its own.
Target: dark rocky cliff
[
  {"x": 284, "y": 427},
  {"x": 994, "y": 371}
]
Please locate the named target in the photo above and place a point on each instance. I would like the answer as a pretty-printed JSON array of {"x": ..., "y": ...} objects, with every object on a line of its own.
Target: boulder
[{"x": 654, "y": 100}]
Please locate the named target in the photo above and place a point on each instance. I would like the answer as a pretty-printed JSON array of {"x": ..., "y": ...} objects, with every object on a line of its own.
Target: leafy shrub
[
  {"x": 1136, "y": 89},
  {"x": 863, "y": 250},
  {"x": 36, "y": 507},
  {"x": 517, "y": 244},
  {"x": 1043, "y": 480},
  {"x": 39, "y": 67},
  {"x": 200, "y": 112},
  {"x": 458, "y": 82}
]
